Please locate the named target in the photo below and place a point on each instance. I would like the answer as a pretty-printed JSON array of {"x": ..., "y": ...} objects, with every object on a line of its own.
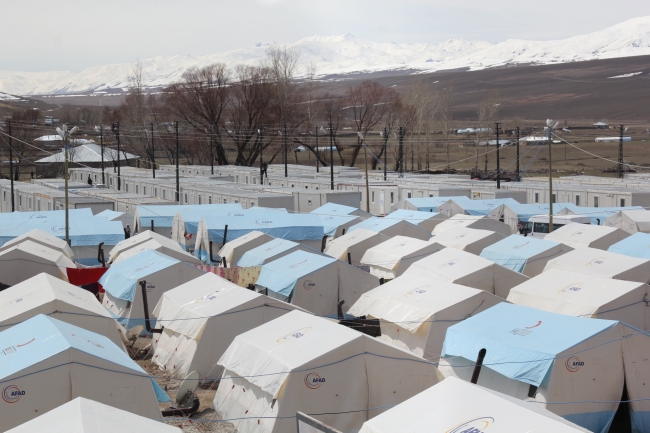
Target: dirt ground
[{"x": 205, "y": 420}]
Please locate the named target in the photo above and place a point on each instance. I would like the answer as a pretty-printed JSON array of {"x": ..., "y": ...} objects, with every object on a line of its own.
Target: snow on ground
[
  {"x": 345, "y": 54},
  {"x": 632, "y": 74}
]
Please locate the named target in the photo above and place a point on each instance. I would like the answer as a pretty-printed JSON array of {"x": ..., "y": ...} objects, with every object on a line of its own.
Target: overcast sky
[{"x": 39, "y": 35}]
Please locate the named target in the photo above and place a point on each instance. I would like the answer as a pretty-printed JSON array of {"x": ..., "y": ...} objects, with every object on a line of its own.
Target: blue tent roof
[
  {"x": 85, "y": 229},
  {"x": 258, "y": 255},
  {"x": 121, "y": 278},
  {"x": 333, "y": 222},
  {"x": 163, "y": 215},
  {"x": 375, "y": 224},
  {"x": 430, "y": 204},
  {"x": 637, "y": 245},
  {"x": 412, "y": 216},
  {"x": 526, "y": 211},
  {"x": 599, "y": 213},
  {"x": 514, "y": 251},
  {"x": 294, "y": 227},
  {"x": 49, "y": 337},
  {"x": 281, "y": 275},
  {"x": 334, "y": 209},
  {"x": 521, "y": 342},
  {"x": 482, "y": 207}
]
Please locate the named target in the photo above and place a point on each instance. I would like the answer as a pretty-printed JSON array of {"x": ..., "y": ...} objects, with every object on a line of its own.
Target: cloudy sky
[{"x": 39, "y": 35}]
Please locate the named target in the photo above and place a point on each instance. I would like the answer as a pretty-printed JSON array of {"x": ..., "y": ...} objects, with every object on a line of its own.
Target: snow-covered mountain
[{"x": 347, "y": 54}]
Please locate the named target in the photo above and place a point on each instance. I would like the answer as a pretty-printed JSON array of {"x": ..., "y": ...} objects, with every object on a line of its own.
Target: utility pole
[
  {"x": 550, "y": 176},
  {"x": 11, "y": 166},
  {"x": 517, "y": 153},
  {"x": 101, "y": 144},
  {"x": 620, "y": 153},
  {"x": 317, "y": 155},
  {"x": 66, "y": 142},
  {"x": 261, "y": 134},
  {"x": 401, "y": 152},
  {"x": 365, "y": 161},
  {"x": 385, "y": 152},
  {"x": 178, "y": 184},
  {"x": 212, "y": 151},
  {"x": 117, "y": 136},
  {"x": 286, "y": 157},
  {"x": 153, "y": 154},
  {"x": 498, "y": 160},
  {"x": 331, "y": 157}
]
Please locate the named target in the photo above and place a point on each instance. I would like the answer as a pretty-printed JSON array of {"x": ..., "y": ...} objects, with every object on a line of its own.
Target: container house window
[
  {"x": 622, "y": 202},
  {"x": 577, "y": 200},
  {"x": 536, "y": 197},
  {"x": 595, "y": 201},
  {"x": 373, "y": 196},
  {"x": 553, "y": 198},
  {"x": 391, "y": 198},
  {"x": 409, "y": 195}
]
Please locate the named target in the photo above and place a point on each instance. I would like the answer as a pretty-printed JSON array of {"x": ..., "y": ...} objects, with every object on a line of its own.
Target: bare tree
[
  {"x": 444, "y": 116},
  {"x": 487, "y": 112},
  {"x": 332, "y": 109},
  {"x": 369, "y": 102},
  {"x": 200, "y": 100}
]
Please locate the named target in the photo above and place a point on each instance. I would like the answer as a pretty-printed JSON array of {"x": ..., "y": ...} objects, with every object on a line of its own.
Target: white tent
[
  {"x": 139, "y": 239},
  {"x": 233, "y": 251},
  {"x": 354, "y": 243},
  {"x": 47, "y": 363},
  {"x": 630, "y": 221},
  {"x": 123, "y": 217},
  {"x": 549, "y": 358},
  {"x": 603, "y": 264},
  {"x": 636, "y": 355},
  {"x": 473, "y": 222},
  {"x": 466, "y": 239},
  {"x": 270, "y": 251},
  {"x": 87, "y": 416},
  {"x": 467, "y": 269},
  {"x": 391, "y": 258},
  {"x": 45, "y": 294},
  {"x": 584, "y": 295},
  {"x": 587, "y": 235},
  {"x": 154, "y": 245},
  {"x": 122, "y": 283},
  {"x": 415, "y": 312},
  {"x": 314, "y": 282},
  {"x": 426, "y": 220},
  {"x": 524, "y": 254},
  {"x": 456, "y": 406},
  {"x": 43, "y": 238},
  {"x": 300, "y": 362},
  {"x": 202, "y": 317},
  {"x": 27, "y": 259},
  {"x": 392, "y": 227}
]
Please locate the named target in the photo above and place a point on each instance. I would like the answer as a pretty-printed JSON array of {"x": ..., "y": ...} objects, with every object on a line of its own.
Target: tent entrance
[{"x": 621, "y": 422}]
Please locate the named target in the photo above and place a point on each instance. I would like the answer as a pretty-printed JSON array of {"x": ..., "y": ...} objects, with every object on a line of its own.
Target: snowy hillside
[{"x": 347, "y": 54}]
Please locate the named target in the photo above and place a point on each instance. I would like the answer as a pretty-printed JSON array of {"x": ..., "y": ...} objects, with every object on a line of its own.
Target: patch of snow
[{"x": 632, "y": 74}]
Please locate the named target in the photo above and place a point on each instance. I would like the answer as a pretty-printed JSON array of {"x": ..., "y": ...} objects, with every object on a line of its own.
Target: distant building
[
  {"x": 601, "y": 125},
  {"x": 84, "y": 154}
]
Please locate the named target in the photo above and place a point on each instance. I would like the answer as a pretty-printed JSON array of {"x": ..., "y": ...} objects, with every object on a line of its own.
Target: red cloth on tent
[{"x": 83, "y": 276}]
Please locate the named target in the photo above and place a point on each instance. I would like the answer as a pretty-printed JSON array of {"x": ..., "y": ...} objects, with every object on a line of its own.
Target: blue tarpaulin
[
  {"x": 430, "y": 204},
  {"x": 85, "y": 229},
  {"x": 51, "y": 337},
  {"x": 412, "y": 216},
  {"x": 120, "y": 280},
  {"x": 526, "y": 211},
  {"x": 517, "y": 346},
  {"x": 280, "y": 276},
  {"x": 163, "y": 215},
  {"x": 598, "y": 215},
  {"x": 334, "y": 209},
  {"x": 637, "y": 245},
  {"x": 482, "y": 207},
  {"x": 257, "y": 256},
  {"x": 514, "y": 251},
  {"x": 332, "y": 222}
]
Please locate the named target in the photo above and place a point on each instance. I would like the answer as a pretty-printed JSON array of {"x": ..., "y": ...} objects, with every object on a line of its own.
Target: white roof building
[{"x": 86, "y": 153}]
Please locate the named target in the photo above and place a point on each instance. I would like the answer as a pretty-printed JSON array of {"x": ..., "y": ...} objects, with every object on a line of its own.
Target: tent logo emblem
[
  {"x": 450, "y": 263},
  {"x": 571, "y": 288},
  {"x": 12, "y": 394},
  {"x": 473, "y": 426},
  {"x": 521, "y": 246},
  {"x": 236, "y": 214},
  {"x": 578, "y": 233},
  {"x": 308, "y": 285},
  {"x": 535, "y": 325},
  {"x": 263, "y": 222},
  {"x": 573, "y": 364},
  {"x": 295, "y": 334},
  {"x": 58, "y": 229},
  {"x": 417, "y": 291},
  {"x": 314, "y": 381},
  {"x": 461, "y": 236},
  {"x": 596, "y": 261},
  {"x": 295, "y": 265}
]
